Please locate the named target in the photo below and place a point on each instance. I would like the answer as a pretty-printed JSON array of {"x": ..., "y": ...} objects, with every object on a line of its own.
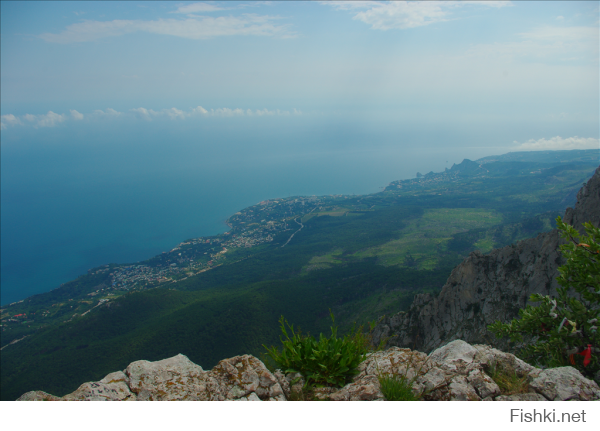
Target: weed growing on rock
[
  {"x": 397, "y": 388},
  {"x": 509, "y": 382},
  {"x": 327, "y": 361}
]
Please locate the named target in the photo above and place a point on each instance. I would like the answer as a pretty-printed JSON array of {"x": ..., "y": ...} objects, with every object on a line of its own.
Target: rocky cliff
[
  {"x": 457, "y": 371},
  {"x": 486, "y": 288}
]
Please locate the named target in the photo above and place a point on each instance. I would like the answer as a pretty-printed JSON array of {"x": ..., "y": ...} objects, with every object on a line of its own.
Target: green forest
[{"x": 361, "y": 257}]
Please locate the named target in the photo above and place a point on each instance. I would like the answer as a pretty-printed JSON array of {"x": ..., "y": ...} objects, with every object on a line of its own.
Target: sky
[{"x": 497, "y": 75}]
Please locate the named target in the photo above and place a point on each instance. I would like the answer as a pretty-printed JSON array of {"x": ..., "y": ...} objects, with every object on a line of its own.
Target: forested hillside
[{"x": 212, "y": 298}]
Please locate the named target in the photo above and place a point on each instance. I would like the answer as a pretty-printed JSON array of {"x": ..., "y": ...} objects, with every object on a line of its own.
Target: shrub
[
  {"x": 563, "y": 330},
  {"x": 328, "y": 361}
]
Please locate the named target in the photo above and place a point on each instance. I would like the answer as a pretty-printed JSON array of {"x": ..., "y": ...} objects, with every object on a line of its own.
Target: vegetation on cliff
[{"x": 563, "y": 330}]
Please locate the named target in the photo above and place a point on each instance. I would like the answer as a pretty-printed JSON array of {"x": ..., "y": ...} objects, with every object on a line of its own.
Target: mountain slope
[{"x": 486, "y": 288}]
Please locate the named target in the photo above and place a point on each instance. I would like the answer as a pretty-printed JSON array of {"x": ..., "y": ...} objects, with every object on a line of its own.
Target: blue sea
[{"x": 85, "y": 195}]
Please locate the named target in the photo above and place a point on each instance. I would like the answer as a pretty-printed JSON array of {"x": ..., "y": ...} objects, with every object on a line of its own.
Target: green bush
[
  {"x": 397, "y": 388},
  {"x": 563, "y": 330},
  {"x": 328, "y": 361}
]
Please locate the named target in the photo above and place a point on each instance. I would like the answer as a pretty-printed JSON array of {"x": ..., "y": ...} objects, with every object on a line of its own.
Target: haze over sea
[
  {"x": 74, "y": 200},
  {"x": 128, "y": 127}
]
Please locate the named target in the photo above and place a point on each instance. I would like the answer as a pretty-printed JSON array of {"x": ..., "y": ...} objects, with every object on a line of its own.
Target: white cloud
[
  {"x": 76, "y": 115},
  {"x": 199, "y": 110},
  {"x": 146, "y": 114},
  {"x": 558, "y": 143},
  {"x": 227, "y": 112},
  {"x": 9, "y": 120},
  {"x": 108, "y": 113},
  {"x": 50, "y": 119},
  {"x": 197, "y": 8},
  {"x": 44, "y": 120},
  {"x": 404, "y": 14},
  {"x": 190, "y": 28}
]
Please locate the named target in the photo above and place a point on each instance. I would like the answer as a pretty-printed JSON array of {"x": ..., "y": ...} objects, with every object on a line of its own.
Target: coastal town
[{"x": 259, "y": 225}]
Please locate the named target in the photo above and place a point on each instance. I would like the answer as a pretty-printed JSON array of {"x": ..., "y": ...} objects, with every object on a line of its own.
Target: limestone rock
[
  {"x": 241, "y": 376},
  {"x": 175, "y": 378},
  {"x": 457, "y": 371},
  {"x": 290, "y": 382},
  {"x": 38, "y": 396},
  {"x": 364, "y": 389},
  {"x": 565, "y": 384},
  {"x": 521, "y": 397},
  {"x": 113, "y": 387}
]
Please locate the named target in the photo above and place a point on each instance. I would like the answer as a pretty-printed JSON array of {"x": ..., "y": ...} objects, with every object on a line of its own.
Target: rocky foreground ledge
[{"x": 457, "y": 371}]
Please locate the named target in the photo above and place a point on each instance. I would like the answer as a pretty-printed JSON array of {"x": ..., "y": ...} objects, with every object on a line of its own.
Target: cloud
[
  {"x": 146, "y": 114},
  {"x": 76, "y": 115},
  {"x": 199, "y": 110},
  {"x": 44, "y": 120},
  {"x": 108, "y": 113},
  {"x": 50, "y": 119},
  {"x": 191, "y": 28},
  {"x": 558, "y": 143},
  {"x": 404, "y": 14},
  {"x": 9, "y": 120},
  {"x": 174, "y": 113},
  {"x": 227, "y": 112},
  {"x": 198, "y": 8}
]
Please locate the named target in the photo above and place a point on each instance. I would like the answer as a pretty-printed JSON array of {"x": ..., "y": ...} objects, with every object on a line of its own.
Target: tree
[{"x": 563, "y": 330}]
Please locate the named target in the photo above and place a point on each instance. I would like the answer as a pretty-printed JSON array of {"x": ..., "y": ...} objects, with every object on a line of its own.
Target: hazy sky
[{"x": 529, "y": 67}]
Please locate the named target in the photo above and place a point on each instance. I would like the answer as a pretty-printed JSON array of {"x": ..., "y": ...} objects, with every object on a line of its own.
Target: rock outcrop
[
  {"x": 456, "y": 371},
  {"x": 486, "y": 288},
  {"x": 241, "y": 378}
]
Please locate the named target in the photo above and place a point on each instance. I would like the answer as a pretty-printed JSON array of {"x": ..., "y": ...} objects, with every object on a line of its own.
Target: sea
[{"x": 81, "y": 195}]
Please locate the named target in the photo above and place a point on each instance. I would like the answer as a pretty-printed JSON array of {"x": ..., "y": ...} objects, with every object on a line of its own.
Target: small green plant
[
  {"x": 328, "y": 361},
  {"x": 509, "y": 382},
  {"x": 563, "y": 330},
  {"x": 397, "y": 388}
]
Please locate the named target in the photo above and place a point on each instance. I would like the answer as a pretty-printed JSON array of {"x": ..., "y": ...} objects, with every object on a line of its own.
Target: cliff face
[{"x": 486, "y": 288}]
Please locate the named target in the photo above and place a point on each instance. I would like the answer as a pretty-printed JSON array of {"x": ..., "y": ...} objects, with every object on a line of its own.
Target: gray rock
[
  {"x": 521, "y": 397},
  {"x": 457, "y": 371},
  {"x": 565, "y": 384},
  {"x": 38, "y": 396},
  {"x": 460, "y": 390},
  {"x": 483, "y": 384},
  {"x": 291, "y": 382},
  {"x": 240, "y": 376},
  {"x": 366, "y": 388},
  {"x": 175, "y": 378}
]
